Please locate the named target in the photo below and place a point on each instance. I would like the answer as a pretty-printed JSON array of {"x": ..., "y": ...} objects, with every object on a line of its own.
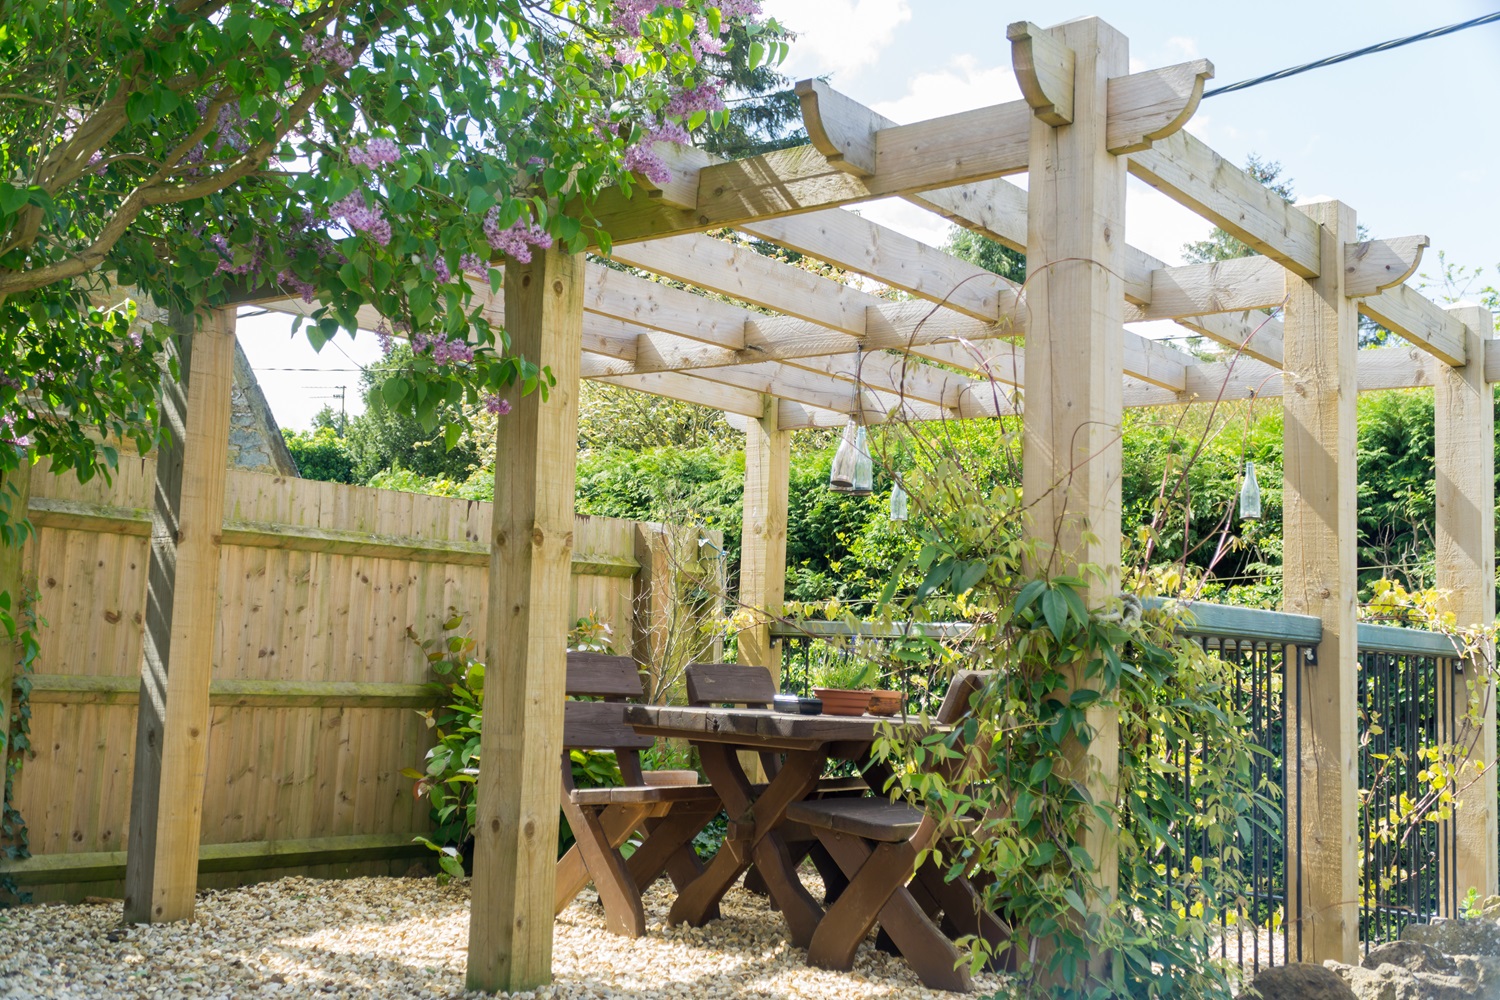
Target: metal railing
[{"x": 1404, "y": 705}]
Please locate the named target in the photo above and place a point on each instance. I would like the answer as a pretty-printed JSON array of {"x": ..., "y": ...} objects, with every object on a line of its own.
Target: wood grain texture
[
  {"x": 1413, "y": 316},
  {"x": 515, "y": 849},
  {"x": 768, "y": 451},
  {"x": 1044, "y": 68},
  {"x": 1464, "y": 453},
  {"x": 1320, "y": 532},
  {"x": 1153, "y": 104},
  {"x": 172, "y": 727},
  {"x": 1375, "y": 265},
  {"x": 1071, "y": 449}
]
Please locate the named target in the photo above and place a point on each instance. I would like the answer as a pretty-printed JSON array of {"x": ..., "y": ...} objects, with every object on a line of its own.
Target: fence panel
[{"x": 314, "y": 684}]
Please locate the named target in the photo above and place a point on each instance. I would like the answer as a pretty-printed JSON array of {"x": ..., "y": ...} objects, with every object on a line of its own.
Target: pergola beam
[
  {"x": 996, "y": 209},
  {"x": 1406, "y": 312},
  {"x": 857, "y": 155},
  {"x": 1186, "y": 170}
]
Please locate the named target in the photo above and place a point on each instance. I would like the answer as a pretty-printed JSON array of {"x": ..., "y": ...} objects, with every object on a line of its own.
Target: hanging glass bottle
[
  {"x": 1249, "y": 495},
  {"x": 864, "y": 467},
  {"x": 898, "y": 502},
  {"x": 841, "y": 476}
]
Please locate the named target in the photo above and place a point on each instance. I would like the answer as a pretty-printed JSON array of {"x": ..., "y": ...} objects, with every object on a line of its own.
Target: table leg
[{"x": 752, "y": 836}]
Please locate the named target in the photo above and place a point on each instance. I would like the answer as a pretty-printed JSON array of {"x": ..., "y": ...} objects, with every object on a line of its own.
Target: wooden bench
[
  {"x": 876, "y": 843},
  {"x": 666, "y": 816}
]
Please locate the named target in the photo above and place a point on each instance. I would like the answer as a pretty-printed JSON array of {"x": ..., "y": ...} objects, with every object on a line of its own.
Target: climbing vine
[{"x": 20, "y": 623}]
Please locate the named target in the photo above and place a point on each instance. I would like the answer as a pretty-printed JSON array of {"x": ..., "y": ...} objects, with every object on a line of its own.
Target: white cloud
[
  {"x": 962, "y": 86},
  {"x": 837, "y": 36}
]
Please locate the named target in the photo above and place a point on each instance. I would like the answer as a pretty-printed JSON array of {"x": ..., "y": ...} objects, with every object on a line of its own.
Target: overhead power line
[{"x": 1394, "y": 43}]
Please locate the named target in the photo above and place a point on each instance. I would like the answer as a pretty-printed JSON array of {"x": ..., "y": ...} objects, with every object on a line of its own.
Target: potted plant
[{"x": 850, "y": 690}]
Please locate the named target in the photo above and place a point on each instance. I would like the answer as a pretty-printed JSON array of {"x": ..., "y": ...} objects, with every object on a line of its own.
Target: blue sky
[{"x": 1407, "y": 137}]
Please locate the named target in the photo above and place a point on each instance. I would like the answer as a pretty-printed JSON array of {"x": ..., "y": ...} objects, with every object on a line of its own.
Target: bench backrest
[
  {"x": 601, "y": 725},
  {"x": 966, "y": 683},
  {"x": 729, "y": 684}
]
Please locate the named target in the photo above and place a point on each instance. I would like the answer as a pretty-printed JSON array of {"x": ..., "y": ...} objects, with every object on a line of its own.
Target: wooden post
[
  {"x": 15, "y": 495},
  {"x": 182, "y": 608},
  {"x": 1071, "y": 450},
  {"x": 1464, "y": 449},
  {"x": 651, "y": 595},
  {"x": 1320, "y": 535},
  {"x": 768, "y": 451},
  {"x": 515, "y": 832}
]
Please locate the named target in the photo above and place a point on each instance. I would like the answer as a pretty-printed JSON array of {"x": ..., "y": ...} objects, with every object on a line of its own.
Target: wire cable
[{"x": 1394, "y": 43}]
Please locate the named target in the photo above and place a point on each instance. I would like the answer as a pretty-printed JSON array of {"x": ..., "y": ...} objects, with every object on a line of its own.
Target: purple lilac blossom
[
  {"x": 375, "y": 152},
  {"x": 383, "y": 337},
  {"x": 329, "y": 49},
  {"x": 361, "y": 217},
  {"x": 496, "y": 405},
  {"x": 443, "y": 350},
  {"x": 704, "y": 97},
  {"x": 517, "y": 240},
  {"x": 306, "y": 289}
]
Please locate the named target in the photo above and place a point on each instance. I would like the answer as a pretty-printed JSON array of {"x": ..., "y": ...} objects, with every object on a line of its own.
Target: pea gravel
[{"x": 404, "y": 939}]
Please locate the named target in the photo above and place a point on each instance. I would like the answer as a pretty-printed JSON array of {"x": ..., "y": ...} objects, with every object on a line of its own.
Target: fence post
[
  {"x": 763, "y": 537},
  {"x": 182, "y": 607},
  {"x": 651, "y": 595},
  {"x": 1320, "y": 535},
  {"x": 531, "y": 539},
  {"x": 1071, "y": 446},
  {"x": 1464, "y": 452},
  {"x": 15, "y": 494}
]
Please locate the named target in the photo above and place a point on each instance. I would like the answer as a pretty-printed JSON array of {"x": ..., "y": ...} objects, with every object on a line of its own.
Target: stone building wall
[{"x": 255, "y": 441}]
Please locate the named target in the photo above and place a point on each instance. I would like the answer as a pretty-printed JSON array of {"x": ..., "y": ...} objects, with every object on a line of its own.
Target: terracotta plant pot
[{"x": 843, "y": 701}]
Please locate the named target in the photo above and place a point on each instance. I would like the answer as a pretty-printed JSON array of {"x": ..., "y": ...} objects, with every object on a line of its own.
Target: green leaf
[
  {"x": 394, "y": 391},
  {"x": 12, "y": 199},
  {"x": 1055, "y": 610}
]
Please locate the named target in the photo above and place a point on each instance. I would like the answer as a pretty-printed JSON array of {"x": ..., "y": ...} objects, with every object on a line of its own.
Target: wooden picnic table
[{"x": 809, "y": 742}]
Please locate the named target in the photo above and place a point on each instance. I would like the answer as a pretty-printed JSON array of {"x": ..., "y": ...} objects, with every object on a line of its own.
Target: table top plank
[{"x": 753, "y": 727}]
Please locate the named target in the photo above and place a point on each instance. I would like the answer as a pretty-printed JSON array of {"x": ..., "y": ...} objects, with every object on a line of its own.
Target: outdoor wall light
[{"x": 1249, "y": 495}]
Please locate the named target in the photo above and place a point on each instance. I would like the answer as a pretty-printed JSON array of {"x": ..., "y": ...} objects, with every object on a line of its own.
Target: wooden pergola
[{"x": 823, "y": 351}]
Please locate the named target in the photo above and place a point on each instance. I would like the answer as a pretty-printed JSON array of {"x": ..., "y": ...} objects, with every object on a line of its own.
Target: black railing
[
  {"x": 1405, "y": 709},
  {"x": 1406, "y": 712}
]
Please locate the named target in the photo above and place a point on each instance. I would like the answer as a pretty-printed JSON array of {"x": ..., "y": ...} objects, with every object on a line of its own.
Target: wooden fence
[{"x": 315, "y": 682}]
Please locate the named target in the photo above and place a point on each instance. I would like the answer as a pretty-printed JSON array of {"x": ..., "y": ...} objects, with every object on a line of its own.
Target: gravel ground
[{"x": 405, "y": 938}]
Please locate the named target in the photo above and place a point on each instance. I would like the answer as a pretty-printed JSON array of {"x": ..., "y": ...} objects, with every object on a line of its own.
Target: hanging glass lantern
[
  {"x": 841, "y": 476},
  {"x": 898, "y": 503},
  {"x": 1249, "y": 495},
  {"x": 864, "y": 466}
]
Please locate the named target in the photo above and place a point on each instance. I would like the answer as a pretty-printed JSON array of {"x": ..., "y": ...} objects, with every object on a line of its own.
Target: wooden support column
[
  {"x": 515, "y": 831},
  {"x": 1071, "y": 453},
  {"x": 15, "y": 496},
  {"x": 1320, "y": 536},
  {"x": 1464, "y": 408},
  {"x": 768, "y": 451},
  {"x": 182, "y": 608}
]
